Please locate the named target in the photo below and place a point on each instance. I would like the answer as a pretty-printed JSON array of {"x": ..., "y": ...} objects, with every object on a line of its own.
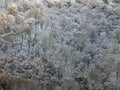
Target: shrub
[{"x": 19, "y": 83}]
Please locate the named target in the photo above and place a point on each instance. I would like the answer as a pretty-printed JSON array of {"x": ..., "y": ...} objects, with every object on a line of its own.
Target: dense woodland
[{"x": 59, "y": 44}]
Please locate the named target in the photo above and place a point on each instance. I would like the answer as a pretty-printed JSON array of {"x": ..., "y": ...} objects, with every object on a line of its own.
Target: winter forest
[{"x": 59, "y": 44}]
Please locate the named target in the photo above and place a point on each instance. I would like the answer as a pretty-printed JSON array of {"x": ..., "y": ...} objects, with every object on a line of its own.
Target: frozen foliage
[{"x": 60, "y": 45}]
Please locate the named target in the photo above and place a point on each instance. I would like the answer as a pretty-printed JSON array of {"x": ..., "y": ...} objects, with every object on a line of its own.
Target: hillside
[{"x": 60, "y": 45}]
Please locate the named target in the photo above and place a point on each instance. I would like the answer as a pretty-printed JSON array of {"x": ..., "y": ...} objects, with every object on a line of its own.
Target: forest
[{"x": 59, "y": 44}]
